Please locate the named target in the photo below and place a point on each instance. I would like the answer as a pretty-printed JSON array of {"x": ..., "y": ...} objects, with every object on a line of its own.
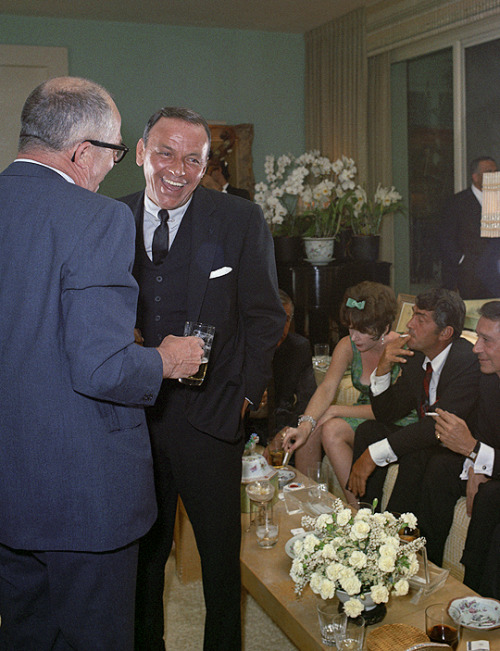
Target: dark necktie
[
  {"x": 427, "y": 381},
  {"x": 160, "y": 238}
]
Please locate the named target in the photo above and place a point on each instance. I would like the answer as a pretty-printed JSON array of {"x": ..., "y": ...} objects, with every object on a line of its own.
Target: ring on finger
[{"x": 438, "y": 436}]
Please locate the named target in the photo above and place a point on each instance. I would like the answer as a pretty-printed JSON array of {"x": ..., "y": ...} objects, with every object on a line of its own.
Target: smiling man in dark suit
[
  {"x": 216, "y": 266},
  {"x": 76, "y": 486},
  {"x": 438, "y": 369}
]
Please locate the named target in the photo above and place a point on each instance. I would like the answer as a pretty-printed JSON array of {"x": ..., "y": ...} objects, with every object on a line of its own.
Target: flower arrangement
[
  {"x": 367, "y": 214},
  {"x": 356, "y": 553},
  {"x": 307, "y": 194}
]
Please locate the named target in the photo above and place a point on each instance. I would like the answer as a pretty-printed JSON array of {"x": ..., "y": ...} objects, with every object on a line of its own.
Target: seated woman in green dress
[{"x": 368, "y": 311}]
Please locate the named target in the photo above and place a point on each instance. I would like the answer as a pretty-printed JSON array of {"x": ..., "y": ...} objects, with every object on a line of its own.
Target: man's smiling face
[{"x": 174, "y": 160}]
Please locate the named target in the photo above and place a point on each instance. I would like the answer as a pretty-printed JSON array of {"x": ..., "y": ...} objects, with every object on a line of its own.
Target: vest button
[
  {"x": 159, "y": 279},
  {"x": 157, "y": 299},
  {"x": 157, "y": 317}
]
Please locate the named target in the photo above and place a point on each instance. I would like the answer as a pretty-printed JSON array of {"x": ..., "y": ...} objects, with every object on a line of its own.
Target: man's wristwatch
[
  {"x": 307, "y": 419},
  {"x": 475, "y": 451}
]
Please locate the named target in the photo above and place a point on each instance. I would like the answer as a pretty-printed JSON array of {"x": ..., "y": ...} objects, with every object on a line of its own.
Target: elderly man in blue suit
[{"x": 76, "y": 486}]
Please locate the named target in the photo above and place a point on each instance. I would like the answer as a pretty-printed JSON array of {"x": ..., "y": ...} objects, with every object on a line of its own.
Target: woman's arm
[{"x": 294, "y": 437}]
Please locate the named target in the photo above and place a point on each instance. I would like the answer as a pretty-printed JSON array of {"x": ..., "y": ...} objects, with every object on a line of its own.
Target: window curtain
[
  {"x": 336, "y": 89},
  {"x": 379, "y": 153}
]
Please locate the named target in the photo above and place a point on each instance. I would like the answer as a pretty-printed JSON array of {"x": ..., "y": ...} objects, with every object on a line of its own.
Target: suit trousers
[
  {"x": 441, "y": 488},
  {"x": 206, "y": 473},
  {"x": 62, "y": 601},
  {"x": 406, "y": 491}
]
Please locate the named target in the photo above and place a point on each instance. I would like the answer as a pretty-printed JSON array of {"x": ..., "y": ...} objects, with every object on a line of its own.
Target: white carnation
[
  {"x": 401, "y": 587},
  {"x": 360, "y": 530},
  {"x": 343, "y": 517},
  {"x": 386, "y": 564},
  {"x": 358, "y": 559},
  {"x": 351, "y": 585},
  {"x": 379, "y": 593},
  {"x": 353, "y": 608},
  {"x": 327, "y": 590}
]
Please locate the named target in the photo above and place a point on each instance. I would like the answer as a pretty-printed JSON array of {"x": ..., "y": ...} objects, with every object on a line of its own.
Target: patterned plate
[{"x": 477, "y": 613}]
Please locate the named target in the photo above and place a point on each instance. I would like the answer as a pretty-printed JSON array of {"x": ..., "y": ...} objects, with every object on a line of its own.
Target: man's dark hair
[
  {"x": 447, "y": 308},
  {"x": 474, "y": 164},
  {"x": 490, "y": 310},
  {"x": 177, "y": 113}
]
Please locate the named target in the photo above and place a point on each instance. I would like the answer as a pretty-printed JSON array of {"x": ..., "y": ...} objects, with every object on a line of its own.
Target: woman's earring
[{"x": 382, "y": 339}]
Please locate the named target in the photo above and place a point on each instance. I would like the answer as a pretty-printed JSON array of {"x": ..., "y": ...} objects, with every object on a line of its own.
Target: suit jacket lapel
[{"x": 206, "y": 252}]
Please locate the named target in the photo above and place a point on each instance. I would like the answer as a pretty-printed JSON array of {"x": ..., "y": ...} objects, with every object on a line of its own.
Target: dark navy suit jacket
[{"x": 76, "y": 459}]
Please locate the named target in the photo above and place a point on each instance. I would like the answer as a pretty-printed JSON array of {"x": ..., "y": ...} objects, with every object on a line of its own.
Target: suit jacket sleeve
[
  {"x": 259, "y": 305},
  {"x": 99, "y": 297},
  {"x": 457, "y": 392},
  {"x": 488, "y": 427}
]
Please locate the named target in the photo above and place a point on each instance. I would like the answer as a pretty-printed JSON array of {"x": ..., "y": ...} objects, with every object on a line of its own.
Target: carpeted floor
[{"x": 185, "y": 614}]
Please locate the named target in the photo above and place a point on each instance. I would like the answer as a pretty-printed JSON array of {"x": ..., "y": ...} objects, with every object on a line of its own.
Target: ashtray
[
  {"x": 478, "y": 613},
  {"x": 285, "y": 476}
]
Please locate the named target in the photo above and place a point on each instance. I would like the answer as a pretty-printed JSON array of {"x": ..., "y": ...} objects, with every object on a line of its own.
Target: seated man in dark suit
[
  {"x": 293, "y": 382},
  {"x": 439, "y": 368},
  {"x": 469, "y": 464}
]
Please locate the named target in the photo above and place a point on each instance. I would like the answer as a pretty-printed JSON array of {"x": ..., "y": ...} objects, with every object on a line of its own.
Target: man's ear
[
  {"x": 139, "y": 152},
  {"x": 81, "y": 154},
  {"x": 447, "y": 333}
]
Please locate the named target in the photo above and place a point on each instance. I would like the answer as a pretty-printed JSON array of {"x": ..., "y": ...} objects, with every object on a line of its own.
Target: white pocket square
[{"x": 216, "y": 273}]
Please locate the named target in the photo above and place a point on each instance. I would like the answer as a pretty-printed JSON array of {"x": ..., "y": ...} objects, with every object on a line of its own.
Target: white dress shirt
[{"x": 152, "y": 221}]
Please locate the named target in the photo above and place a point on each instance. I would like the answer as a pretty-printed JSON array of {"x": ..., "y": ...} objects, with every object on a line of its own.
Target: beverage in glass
[{"x": 205, "y": 332}]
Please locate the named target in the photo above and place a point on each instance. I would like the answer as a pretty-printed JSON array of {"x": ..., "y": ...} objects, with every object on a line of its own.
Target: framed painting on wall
[{"x": 232, "y": 145}]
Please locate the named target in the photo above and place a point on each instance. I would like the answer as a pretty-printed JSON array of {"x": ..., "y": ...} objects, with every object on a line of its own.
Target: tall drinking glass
[{"x": 205, "y": 332}]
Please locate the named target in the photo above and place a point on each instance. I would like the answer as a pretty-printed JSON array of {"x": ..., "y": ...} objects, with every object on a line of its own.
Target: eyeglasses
[{"x": 119, "y": 151}]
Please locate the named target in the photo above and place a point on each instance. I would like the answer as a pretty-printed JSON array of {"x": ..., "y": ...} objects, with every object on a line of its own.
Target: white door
[{"x": 21, "y": 69}]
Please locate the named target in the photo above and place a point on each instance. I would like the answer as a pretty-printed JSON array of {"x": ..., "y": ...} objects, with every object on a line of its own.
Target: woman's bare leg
[{"x": 337, "y": 438}]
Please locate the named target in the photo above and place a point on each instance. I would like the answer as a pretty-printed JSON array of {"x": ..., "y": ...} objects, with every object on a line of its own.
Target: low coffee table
[{"x": 265, "y": 574}]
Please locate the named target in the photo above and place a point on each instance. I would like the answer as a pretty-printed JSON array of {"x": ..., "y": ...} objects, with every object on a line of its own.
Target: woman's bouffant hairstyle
[{"x": 378, "y": 312}]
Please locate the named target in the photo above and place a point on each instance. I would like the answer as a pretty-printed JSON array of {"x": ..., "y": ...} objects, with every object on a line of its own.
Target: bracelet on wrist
[{"x": 307, "y": 419}]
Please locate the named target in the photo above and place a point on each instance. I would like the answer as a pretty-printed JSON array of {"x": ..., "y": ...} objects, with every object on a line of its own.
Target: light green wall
[{"x": 228, "y": 75}]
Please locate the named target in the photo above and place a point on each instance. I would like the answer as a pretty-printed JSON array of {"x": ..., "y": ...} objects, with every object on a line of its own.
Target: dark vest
[{"x": 161, "y": 308}]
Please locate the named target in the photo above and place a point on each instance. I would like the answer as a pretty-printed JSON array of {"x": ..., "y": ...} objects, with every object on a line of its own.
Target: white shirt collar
[
  {"x": 439, "y": 361},
  {"x": 477, "y": 193},
  {"x": 175, "y": 215},
  {"x": 30, "y": 160}
]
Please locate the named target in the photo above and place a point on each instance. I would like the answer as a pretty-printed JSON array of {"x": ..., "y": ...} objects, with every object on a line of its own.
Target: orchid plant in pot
[
  {"x": 367, "y": 217},
  {"x": 306, "y": 195}
]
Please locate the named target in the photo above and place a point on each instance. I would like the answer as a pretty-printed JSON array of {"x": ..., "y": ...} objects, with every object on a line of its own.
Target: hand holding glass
[{"x": 205, "y": 332}]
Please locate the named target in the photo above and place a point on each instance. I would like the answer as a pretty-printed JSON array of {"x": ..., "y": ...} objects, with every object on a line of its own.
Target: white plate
[
  {"x": 477, "y": 613},
  {"x": 290, "y": 543},
  {"x": 284, "y": 476}
]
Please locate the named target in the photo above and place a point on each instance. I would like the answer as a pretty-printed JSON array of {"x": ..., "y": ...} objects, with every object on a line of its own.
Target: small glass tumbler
[
  {"x": 351, "y": 635},
  {"x": 330, "y": 621},
  {"x": 440, "y": 627}
]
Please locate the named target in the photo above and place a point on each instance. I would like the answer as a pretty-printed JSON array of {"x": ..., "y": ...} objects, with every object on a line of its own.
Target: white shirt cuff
[
  {"x": 379, "y": 383},
  {"x": 483, "y": 464},
  {"x": 382, "y": 453}
]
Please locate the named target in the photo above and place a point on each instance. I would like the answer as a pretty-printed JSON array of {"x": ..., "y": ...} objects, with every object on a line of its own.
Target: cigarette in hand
[
  {"x": 431, "y": 413},
  {"x": 406, "y": 334}
]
